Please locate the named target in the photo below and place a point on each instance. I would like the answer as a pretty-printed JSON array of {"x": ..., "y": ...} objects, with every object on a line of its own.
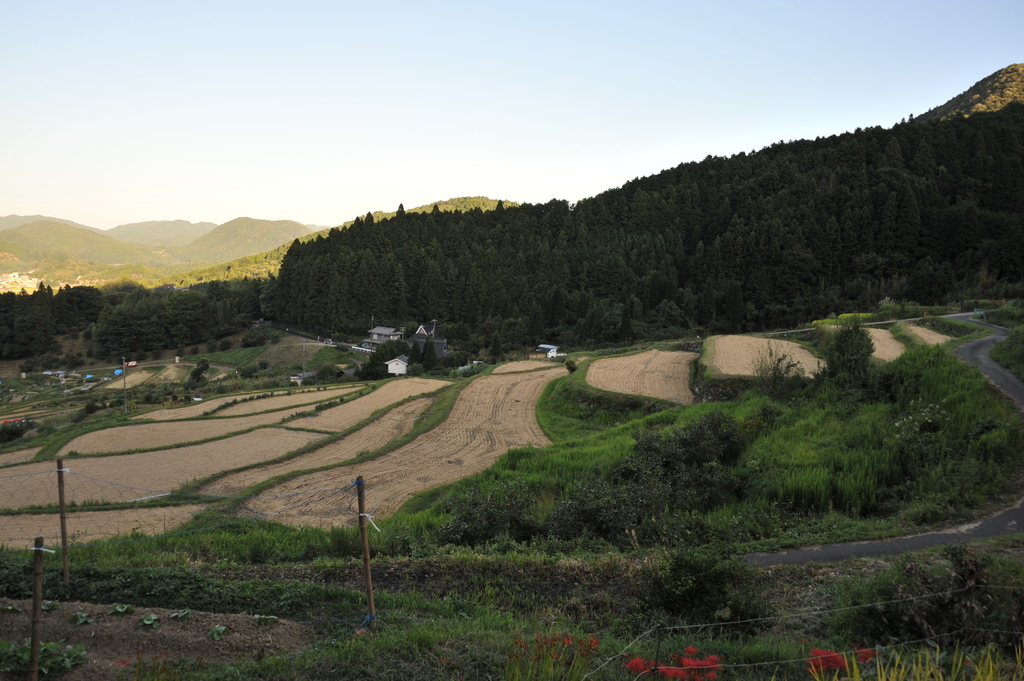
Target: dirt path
[
  {"x": 84, "y": 526},
  {"x": 738, "y": 355},
  {"x": 349, "y": 414},
  {"x": 133, "y": 476},
  {"x": 391, "y": 426},
  {"x": 493, "y": 414},
  {"x": 665, "y": 375}
]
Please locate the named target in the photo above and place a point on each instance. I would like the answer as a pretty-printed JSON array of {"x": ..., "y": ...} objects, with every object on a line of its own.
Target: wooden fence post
[
  {"x": 370, "y": 610},
  {"x": 63, "y": 520},
  {"x": 37, "y": 610}
]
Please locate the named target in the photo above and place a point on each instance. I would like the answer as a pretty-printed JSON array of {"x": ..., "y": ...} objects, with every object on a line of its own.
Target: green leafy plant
[
  {"x": 51, "y": 605},
  {"x": 217, "y": 632},
  {"x": 10, "y": 608},
  {"x": 181, "y": 614},
  {"x": 265, "y": 619},
  {"x": 150, "y": 620},
  {"x": 120, "y": 609},
  {"x": 53, "y": 657},
  {"x": 81, "y": 618}
]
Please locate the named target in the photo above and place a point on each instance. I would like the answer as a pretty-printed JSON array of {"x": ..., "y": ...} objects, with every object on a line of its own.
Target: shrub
[
  {"x": 478, "y": 515},
  {"x": 847, "y": 354},
  {"x": 777, "y": 375}
]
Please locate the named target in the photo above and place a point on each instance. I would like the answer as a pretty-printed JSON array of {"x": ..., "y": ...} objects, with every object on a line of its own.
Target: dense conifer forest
[{"x": 924, "y": 212}]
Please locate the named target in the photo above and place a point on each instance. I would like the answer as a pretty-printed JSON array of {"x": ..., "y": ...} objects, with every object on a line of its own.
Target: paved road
[{"x": 1008, "y": 521}]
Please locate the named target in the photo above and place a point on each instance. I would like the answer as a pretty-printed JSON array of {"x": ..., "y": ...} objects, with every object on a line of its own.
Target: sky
[{"x": 121, "y": 112}]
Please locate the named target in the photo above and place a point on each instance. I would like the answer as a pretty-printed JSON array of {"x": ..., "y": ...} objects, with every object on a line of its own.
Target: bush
[
  {"x": 847, "y": 354},
  {"x": 777, "y": 375},
  {"x": 478, "y": 516}
]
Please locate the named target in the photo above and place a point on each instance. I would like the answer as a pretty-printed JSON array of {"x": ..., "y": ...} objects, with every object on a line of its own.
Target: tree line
[{"x": 923, "y": 212}]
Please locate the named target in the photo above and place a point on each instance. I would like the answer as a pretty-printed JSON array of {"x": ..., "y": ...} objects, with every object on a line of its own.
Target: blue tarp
[
  {"x": 88, "y": 375},
  {"x": 117, "y": 372}
]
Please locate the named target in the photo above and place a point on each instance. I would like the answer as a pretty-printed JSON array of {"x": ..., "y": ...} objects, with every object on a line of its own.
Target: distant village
[{"x": 16, "y": 281}]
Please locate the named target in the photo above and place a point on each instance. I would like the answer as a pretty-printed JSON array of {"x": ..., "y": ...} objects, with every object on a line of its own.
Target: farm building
[{"x": 398, "y": 366}]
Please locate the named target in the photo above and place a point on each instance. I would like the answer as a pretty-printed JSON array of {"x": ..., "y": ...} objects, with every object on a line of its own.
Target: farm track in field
[
  {"x": 493, "y": 414},
  {"x": 391, "y": 426},
  {"x": 132, "y": 476},
  {"x": 665, "y": 375}
]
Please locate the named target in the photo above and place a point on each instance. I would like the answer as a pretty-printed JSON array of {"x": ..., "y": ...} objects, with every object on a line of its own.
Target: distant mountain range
[{"x": 162, "y": 251}]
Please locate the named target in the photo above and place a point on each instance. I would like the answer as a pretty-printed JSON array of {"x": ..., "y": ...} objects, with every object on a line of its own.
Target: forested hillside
[
  {"x": 924, "y": 212},
  {"x": 988, "y": 94}
]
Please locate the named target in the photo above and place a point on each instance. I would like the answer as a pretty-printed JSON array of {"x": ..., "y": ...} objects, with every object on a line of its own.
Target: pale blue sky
[{"x": 117, "y": 112}]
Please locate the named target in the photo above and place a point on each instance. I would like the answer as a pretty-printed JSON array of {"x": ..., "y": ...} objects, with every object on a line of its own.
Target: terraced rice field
[
  {"x": 523, "y": 365},
  {"x": 927, "y": 335},
  {"x": 391, "y": 426},
  {"x": 18, "y": 455},
  {"x": 280, "y": 400},
  {"x": 349, "y": 414},
  {"x": 887, "y": 348},
  {"x": 134, "y": 476},
  {"x": 738, "y": 355},
  {"x": 168, "y": 434},
  {"x": 135, "y": 377},
  {"x": 83, "y": 526},
  {"x": 493, "y": 414},
  {"x": 665, "y": 375}
]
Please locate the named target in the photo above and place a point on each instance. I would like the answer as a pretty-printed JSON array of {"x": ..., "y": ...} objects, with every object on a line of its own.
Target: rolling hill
[
  {"x": 988, "y": 94},
  {"x": 9, "y": 221},
  {"x": 241, "y": 237},
  {"x": 82, "y": 244},
  {"x": 164, "y": 233}
]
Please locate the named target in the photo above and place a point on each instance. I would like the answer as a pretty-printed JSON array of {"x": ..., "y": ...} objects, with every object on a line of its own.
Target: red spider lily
[
  {"x": 864, "y": 654},
  {"x": 687, "y": 668},
  {"x": 825, "y": 660},
  {"x": 639, "y": 665}
]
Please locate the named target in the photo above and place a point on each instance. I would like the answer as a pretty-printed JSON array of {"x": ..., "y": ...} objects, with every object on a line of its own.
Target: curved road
[{"x": 1007, "y": 521}]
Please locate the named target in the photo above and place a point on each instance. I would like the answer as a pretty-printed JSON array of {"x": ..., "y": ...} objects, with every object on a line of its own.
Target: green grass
[{"x": 233, "y": 357}]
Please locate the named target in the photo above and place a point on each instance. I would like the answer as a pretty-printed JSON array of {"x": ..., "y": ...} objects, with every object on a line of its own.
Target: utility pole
[{"x": 124, "y": 377}]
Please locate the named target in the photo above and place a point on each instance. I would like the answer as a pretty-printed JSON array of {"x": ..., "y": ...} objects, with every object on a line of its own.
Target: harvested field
[
  {"x": 174, "y": 373},
  {"x": 887, "y": 348},
  {"x": 280, "y": 400},
  {"x": 391, "y": 426},
  {"x": 84, "y": 526},
  {"x": 18, "y": 455},
  {"x": 133, "y": 476},
  {"x": 665, "y": 375},
  {"x": 349, "y": 414},
  {"x": 168, "y": 434},
  {"x": 927, "y": 335},
  {"x": 284, "y": 401},
  {"x": 133, "y": 379},
  {"x": 493, "y": 414},
  {"x": 523, "y": 365},
  {"x": 737, "y": 355}
]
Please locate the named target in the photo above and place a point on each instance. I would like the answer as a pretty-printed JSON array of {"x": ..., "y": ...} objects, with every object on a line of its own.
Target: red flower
[
  {"x": 639, "y": 665},
  {"x": 864, "y": 654},
  {"x": 825, "y": 660},
  {"x": 691, "y": 651}
]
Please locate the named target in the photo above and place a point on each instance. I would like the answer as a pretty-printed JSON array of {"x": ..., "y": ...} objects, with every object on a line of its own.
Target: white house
[{"x": 398, "y": 366}]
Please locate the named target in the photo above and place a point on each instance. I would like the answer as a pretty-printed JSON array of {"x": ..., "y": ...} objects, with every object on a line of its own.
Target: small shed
[{"x": 398, "y": 366}]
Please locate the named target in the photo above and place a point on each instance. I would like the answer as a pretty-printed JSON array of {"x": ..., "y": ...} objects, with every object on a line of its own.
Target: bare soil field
[
  {"x": 83, "y": 526},
  {"x": 737, "y": 355},
  {"x": 134, "y": 378},
  {"x": 493, "y": 414},
  {"x": 168, "y": 434},
  {"x": 927, "y": 335},
  {"x": 18, "y": 455},
  {"x": 133, "y": 476},
  {"x": 665, "y": 375},
  {"x": 113, "y": 643},
  {"x": 349, "y": 414},
  {"x": 174, "y": 373},
  {"x": 523, "y": 365},
  {"x": 391, "y": 426},
  {"x": 887, "y": 348}
]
